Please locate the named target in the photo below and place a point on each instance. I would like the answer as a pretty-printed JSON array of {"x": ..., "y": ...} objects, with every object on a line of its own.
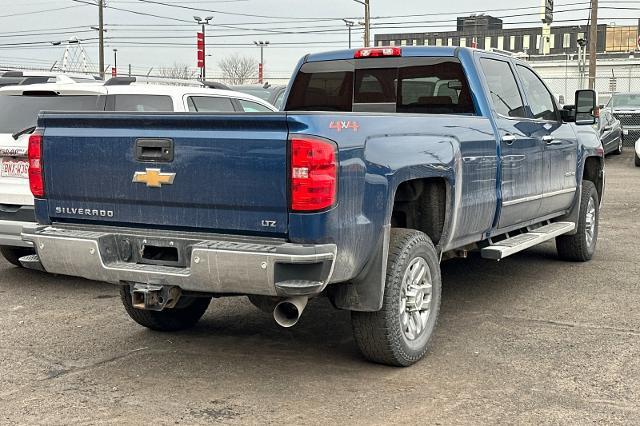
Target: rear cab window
[{"x": 428, "y": 85}]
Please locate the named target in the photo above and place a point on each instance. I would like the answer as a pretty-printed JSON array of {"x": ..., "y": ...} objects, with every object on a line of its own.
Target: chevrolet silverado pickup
[{"x": 384, "y": 163}]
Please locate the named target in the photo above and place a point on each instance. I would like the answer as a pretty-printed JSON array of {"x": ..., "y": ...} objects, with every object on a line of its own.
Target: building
[{"x": 484, "y": 32}]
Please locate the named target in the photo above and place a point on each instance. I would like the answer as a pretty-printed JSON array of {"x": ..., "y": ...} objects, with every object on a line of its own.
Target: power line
[{"x": 37, "y": 11}]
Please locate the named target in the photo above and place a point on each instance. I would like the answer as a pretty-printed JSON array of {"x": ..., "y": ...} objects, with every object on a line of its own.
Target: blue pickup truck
[{"x": 385, "y": 162}]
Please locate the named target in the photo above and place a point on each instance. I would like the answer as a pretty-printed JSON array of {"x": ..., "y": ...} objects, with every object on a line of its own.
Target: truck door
[
  {"x": 559, "y": 141},
  {"x": 520, "y": 147}
]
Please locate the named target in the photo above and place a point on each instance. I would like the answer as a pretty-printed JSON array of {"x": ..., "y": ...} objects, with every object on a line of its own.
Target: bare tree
[
  {"x": 238, "y": 69},
  {"x": 178, "y": 71}
]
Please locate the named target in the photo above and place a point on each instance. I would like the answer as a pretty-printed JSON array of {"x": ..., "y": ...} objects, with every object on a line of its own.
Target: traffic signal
[{"x": 548, "y": 12}]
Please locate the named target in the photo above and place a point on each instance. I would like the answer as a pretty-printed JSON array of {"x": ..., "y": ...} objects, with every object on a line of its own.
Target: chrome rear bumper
[{"x": 216, "y": 264}]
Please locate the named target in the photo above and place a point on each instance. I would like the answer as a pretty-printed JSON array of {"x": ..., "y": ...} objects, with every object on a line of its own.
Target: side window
[
  {"x": 141, "y": 103},
  {"x": 540, "y": 100},
  {"x": 503, "y": 88},
  {"x": 209, "y": 104},
  {"x": 249, "y": 106}
]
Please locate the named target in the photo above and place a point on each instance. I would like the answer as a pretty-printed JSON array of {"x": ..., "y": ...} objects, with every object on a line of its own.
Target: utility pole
[
  {"x": 349, "y": 25},
  {"x": 593, "y": 44},
  {"x": 367, "y": 22},
  {"x": 101, "y": 37},
  {"x": 261, "y": 45}
]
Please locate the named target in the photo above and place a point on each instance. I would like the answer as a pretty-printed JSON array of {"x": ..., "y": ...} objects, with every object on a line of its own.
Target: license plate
[{"x": 14, "y": 168}]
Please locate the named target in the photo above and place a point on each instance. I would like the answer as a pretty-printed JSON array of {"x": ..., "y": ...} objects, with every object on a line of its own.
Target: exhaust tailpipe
[{"x": 288, "y": 312}]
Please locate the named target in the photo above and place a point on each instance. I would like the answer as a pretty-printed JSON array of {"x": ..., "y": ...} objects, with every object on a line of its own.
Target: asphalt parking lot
[{"x": 528, "y": 340}]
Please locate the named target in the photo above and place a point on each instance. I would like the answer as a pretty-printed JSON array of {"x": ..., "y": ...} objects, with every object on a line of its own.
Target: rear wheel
[
  {"x": 400, "y": 332},
  {"x": 618, "y": 149},
  {"x": 189, "y": 312},
  {"x": 13, "y": 254},
  {"x": 581, "y": 246}
]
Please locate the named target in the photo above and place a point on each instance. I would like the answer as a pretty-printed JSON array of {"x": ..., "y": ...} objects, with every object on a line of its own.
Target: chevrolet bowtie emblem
[{"x": 154, "y": 178}]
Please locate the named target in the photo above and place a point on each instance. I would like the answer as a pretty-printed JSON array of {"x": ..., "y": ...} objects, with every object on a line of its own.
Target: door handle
[
  {"x": 550, "y": 140},
  {"x": 508, "y": 138}
]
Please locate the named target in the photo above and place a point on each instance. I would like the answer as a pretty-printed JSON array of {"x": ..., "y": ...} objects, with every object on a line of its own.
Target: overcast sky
[{"x": 28, "y": 21}]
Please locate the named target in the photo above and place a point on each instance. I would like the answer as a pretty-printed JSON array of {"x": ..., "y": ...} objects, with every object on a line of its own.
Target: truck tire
[
  {"x": 581, "y": 246},
  {"x": 400, "y": 332},
  {"x": 13, "y": 254},
  {"x": 169, "y": 319}
]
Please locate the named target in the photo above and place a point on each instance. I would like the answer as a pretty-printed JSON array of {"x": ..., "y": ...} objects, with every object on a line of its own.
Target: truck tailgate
[{"x": 224, "y": 172}]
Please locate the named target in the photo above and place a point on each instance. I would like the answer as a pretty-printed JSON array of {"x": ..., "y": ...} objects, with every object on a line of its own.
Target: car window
[
  {"x": 279, "y": 100},
  {"x": 21, "y": 111},
  {"x": 141, "y": 103},
  {"x": 540, "y": 99},
  {"x": 209, "y": 104},
  {"x": 249, "y": 106},
  {"x": 505, "y": 95},
  {"x": 403, "y": 85}
]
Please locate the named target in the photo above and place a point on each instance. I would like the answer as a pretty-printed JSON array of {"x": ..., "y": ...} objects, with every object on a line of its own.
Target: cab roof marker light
[{"x": 377, "y": 52}]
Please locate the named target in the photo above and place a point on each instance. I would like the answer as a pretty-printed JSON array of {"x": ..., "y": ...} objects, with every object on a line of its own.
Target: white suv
[{"x": 20, "y": 106}]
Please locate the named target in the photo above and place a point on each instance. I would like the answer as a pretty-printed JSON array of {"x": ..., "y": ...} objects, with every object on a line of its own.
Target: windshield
[
  {"x": 19, "y": 112},
  {"x": 629, "y": 100},
  {"x": 258, "y": 92}
]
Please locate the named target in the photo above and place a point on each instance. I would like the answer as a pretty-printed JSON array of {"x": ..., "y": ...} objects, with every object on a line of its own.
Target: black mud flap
[{"x": 365, "y": 292}]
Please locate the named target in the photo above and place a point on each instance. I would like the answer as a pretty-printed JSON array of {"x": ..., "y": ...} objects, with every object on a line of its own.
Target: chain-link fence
[{"x": 622, "y": 76}]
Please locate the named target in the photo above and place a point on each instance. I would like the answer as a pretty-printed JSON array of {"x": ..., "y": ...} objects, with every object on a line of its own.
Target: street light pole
[
  {"x": 203, "y": 22},
  {"x": 349, "y": 25},
  {"x": 115, "y": 63},
  {"x": 261, "y": 45}
]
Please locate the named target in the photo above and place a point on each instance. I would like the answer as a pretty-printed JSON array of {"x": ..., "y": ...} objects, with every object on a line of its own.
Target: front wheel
[
  {"x": 189, "y": 312},
  {"x": 581, "y": 246},
  {"x": 400, "y": 332}
]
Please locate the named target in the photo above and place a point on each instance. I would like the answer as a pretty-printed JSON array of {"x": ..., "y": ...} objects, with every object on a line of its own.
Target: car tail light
[
  {"x": 377, "y": 52},
  {"x": 314, "y": 169},
  {"x": 36, "y": 182}
]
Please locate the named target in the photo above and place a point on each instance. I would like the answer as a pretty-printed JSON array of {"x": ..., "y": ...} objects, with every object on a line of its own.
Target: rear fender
[{"x": 422, "y": 156}]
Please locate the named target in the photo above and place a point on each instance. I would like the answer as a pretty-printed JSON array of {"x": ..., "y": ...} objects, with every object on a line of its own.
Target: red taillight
[
  {"x": 36, "y": 183},
  {"x": 313, "y": 173},
  {"x": 377, "y": 52}
]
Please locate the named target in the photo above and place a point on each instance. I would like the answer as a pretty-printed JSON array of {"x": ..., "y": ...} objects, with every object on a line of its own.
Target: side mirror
[{"x": 586, "y": 107}]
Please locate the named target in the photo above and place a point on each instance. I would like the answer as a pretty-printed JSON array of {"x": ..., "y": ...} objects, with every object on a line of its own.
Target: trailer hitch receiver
[{"x": 154, "y": 297}]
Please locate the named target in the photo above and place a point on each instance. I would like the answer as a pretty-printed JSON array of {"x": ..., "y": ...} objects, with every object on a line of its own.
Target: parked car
[
  {"x": 20, "y": 106},
  {"x": 610, "y": 132},
  {"x": 385, "y": 161},
  {"x": 272, "y": 94},
  {"x": 626, "y": 108},
  {"x": 20, "y": 78}
]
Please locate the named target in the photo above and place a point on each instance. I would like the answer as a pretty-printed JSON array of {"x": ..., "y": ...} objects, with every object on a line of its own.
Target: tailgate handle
[{"x": 154, "y": 150}]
